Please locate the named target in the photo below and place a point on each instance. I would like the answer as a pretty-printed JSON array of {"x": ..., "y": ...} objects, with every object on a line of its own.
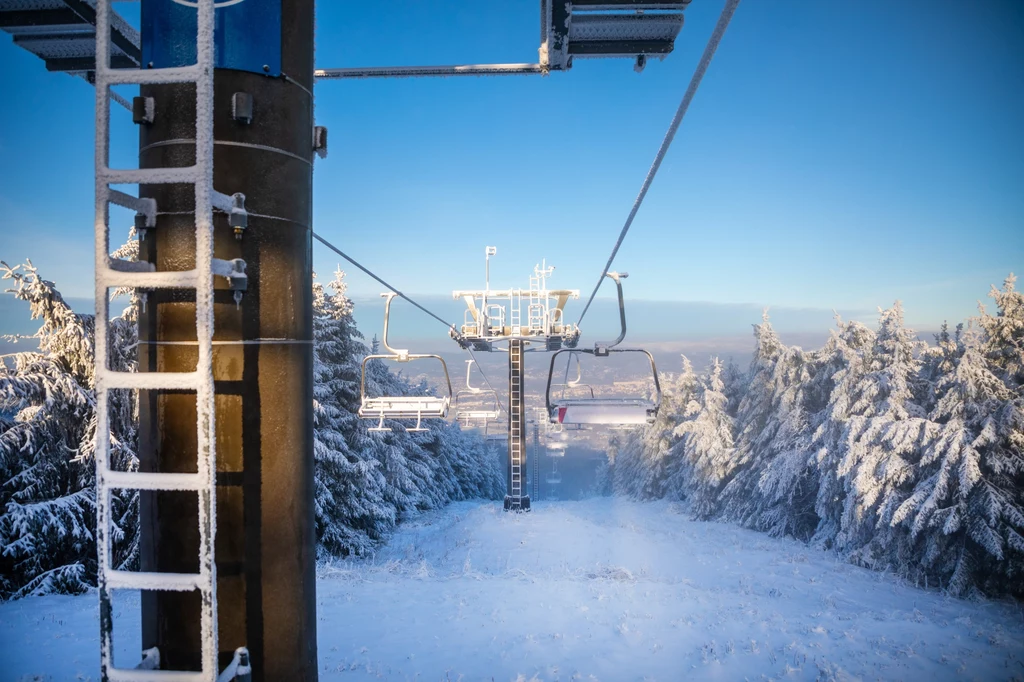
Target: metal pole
[
  {"x": 443, "y": 71},
  {"x": 265, "y": 551}
]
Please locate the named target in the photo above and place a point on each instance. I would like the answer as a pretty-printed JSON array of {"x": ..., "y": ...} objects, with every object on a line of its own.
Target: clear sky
[{"x": 838, "y": 155}]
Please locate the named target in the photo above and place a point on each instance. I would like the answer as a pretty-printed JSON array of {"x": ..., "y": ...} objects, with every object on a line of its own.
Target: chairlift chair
[
  {"x": 470, "y": 416},
  {"x": 579, "y": 410},
  {"x": 402, "y": 407},
  {"x": 557, "y": 448}
]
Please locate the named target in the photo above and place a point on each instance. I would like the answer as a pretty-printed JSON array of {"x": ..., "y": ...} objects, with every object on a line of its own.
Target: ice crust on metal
[{"x": 112, "y": 273}]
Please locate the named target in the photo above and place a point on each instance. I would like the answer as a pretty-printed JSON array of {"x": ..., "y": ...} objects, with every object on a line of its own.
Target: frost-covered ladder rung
[
  {"x": 111, "y": 273},
  {"x": 122, "y": 675}
]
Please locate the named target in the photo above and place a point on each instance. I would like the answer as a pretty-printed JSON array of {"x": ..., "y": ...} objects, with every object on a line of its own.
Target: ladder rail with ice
[{"x": 112, "y": 273}]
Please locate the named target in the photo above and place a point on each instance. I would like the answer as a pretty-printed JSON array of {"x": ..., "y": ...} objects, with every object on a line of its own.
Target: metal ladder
[
  {"x": 515, "y": 423},
  {"x": 515, "y": 305},
  {"x": 111, "y": 272},
  {"x": 535, "y": 310}
]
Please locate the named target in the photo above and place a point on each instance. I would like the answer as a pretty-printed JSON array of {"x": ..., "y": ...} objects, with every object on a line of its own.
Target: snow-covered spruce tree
[
  {"x": 642, "y": 464},
  {"x": 772, "y": 445},
  {"x": 936, "y": 361},
  {"x": 883, "y": 444},
  {"x": 842, "y": 364},
  {"x": 352, "y": 514},
  {"x": 735, "y": 383},
  {"x": 47, "y": 517},
  {"x": 1004, "y": 334},
  {"x": 967, "y": 511},
  {"x": 704, "y": 449}
]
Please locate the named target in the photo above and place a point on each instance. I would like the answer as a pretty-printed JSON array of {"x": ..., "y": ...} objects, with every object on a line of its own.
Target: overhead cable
[
  {"x": 344, "y": 255},
  {"x": 702, "y": 67}
]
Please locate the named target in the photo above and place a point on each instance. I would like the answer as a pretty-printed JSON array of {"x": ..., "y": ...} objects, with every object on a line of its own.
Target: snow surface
[{"x": 603, "y": 589}]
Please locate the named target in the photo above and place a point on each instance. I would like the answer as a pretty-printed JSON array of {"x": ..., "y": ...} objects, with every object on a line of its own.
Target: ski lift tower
[{"x": 509, "y": 320}]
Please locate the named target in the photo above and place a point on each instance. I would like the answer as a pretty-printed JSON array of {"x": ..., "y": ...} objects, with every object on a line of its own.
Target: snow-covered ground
[{"x": 603, "y": 589}]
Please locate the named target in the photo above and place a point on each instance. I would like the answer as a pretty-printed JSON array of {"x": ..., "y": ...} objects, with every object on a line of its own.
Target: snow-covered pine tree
[
  {"x": 735, "y": 382},
  {"x": 936, "y": 361},
  {"x": 642, "y": 462},
  {"x": 842, "y": 364},
  {"x": 352, "y": 514},
  {"x": 1004, "y": 333},
  {"x": 882, "y": 447},
  {"x": 772, "y": 445},
  {"x": 704, "y": 449},
  {"x": 966, "y": 511},
  {"x": 47, "y": 519}
]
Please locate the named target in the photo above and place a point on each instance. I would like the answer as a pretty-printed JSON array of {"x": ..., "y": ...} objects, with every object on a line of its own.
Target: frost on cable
[{"x": 47, "y": 427}]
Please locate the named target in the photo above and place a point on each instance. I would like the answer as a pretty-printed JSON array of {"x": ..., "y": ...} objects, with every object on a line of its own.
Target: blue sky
[{"x": 837, "y": 155}]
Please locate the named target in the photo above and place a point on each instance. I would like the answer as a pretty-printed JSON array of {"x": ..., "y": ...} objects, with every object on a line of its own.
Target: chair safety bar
[{"x": 603, "y": 411}]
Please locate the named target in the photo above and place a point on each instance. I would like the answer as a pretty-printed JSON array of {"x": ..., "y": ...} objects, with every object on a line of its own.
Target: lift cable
[
  {"x": 702, "y": 67},
  {"x": 449, "y": 325},
  {"x": 351, "y": 260}
]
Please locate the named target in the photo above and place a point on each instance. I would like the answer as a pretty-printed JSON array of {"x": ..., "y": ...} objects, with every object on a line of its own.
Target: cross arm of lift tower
[
  {"x": 635, "y": 29},
  {"x": 533, "y": 314}
]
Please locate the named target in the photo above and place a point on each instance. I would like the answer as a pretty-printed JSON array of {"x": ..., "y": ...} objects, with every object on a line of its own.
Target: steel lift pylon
[{"x": 510, "y": 320}]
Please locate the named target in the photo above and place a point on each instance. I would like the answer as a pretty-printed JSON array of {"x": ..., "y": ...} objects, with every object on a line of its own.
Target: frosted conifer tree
[
  {"x": 843, "y": 363},
  {"x": 735, "y": 382},
  {"x": 352, "y": 514},
  {"x": 1004, "y": 333},
  {"x": 642, "y": 462},
  {"x": 772, "y": 445},
  {"x": 704, "y": 451},
  {"x": 967, "y": 510},
  {"x": 47, "y": 519},
  {"x": 882, "y": 447}
]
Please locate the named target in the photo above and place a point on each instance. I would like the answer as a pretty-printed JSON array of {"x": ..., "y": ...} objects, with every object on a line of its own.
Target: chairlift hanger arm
[
  {"x": 470, "y": 387},
  {"x": 603, "y": 348}
]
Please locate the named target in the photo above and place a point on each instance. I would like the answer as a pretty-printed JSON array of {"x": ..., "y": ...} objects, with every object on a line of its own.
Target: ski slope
[{"x": 603, "y": 589}]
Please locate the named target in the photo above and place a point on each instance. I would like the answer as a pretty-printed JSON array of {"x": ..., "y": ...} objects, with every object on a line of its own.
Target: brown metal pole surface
[{"x": 265, "y": 549}]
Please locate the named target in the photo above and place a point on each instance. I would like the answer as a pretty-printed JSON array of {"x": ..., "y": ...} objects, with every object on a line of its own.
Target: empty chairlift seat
[
  {"x": 584, "y": 409},
  {"x": 418, "y": 407},
  {"x": 404, "y": 407},
  {"x": 605, "y": 411},
  {"x": 476, "y": 407}
]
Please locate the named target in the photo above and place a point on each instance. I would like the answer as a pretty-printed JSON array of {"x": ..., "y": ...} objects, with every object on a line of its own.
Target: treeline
[
  {"x": 365, "y": 482},
  {"x": 899, "y": 455}
]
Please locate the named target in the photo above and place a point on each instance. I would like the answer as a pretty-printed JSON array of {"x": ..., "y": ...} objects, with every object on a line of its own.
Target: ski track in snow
[{"x": 603, "y": 589}]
